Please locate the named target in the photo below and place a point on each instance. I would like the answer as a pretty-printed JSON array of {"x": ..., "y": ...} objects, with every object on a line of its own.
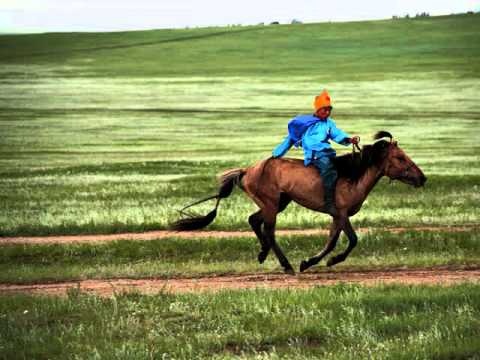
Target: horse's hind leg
[
  {"x": 269, "y": 216},
  {"x": 352, "y": 242},
  {"x": 256, "y": 221},
  {"x": 335, "y": 230}
]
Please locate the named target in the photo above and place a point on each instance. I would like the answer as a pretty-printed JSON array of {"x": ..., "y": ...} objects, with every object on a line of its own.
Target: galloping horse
[{"x": 273, "y": 183}]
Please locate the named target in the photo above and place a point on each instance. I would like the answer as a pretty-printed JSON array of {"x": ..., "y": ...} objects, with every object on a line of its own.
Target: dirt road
[
  {"x": 437, "y": 276},
  {"x": 106, "y": 287}
]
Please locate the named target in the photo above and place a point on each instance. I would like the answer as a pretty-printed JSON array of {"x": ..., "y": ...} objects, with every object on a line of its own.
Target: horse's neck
[{"x": 368, "y": 180}]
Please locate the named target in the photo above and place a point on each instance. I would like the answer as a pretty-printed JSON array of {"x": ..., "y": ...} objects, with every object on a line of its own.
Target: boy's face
[{"x": 323, "y": 112}]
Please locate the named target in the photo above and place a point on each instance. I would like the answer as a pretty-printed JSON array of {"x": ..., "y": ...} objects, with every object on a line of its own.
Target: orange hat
[{"x": 322, "y": 100}]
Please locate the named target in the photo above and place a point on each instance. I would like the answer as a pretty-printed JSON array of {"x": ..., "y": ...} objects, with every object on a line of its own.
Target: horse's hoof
[
  {"x": 303, "y": 266},
  {"x": 262, "y": 255},
  {"x": 289, "y": 271}
]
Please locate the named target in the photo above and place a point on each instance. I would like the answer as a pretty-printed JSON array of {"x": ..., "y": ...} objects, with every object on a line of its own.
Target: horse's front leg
[
  {"x": 335, "y": 230},
  {"x": 352, "y": 242}
]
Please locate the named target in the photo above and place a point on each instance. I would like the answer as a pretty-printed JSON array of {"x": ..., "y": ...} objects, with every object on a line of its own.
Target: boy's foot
[
  {"x": 330, "y": 205},
  {"x": 331, "y": 209}
]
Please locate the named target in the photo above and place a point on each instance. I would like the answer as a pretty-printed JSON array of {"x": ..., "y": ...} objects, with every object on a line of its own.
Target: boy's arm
[
  {"x": 282, "y": 149},
  {"x": 339, "y": 136}
]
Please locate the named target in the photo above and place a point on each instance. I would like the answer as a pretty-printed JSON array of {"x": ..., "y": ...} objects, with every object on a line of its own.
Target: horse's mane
[{"x": 352, "y": 166}]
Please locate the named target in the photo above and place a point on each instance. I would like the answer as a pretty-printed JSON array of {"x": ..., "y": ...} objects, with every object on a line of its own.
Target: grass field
[
  {"x": 85, "y": 149},
  {"x": 368, "y": 50},
  {"x": 174, "y": 257},
  {"x": 79, "y": 170},
  {"x": 343, "y": 322},
  {"x": 114, "y": 132}
]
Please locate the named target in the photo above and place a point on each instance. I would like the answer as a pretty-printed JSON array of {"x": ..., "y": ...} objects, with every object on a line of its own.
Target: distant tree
[
  {"x": 423, "y": 14},
  {"x": 295, "y": 21},
  {"x": 274, "y": 23}
]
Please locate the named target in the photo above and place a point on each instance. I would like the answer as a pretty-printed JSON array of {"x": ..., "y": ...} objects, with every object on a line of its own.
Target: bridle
[{"x": 403, "y": 174}]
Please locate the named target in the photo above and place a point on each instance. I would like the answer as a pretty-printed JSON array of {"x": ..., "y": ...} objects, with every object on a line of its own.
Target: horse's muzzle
[{"x": 420, "y": 181}]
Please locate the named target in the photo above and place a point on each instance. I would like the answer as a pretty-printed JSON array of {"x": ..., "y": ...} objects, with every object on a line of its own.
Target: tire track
[{"x": 105, "y": 287}]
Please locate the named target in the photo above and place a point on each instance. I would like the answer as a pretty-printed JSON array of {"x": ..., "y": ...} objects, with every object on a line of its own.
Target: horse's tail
[{"x": 227, "y": 180}]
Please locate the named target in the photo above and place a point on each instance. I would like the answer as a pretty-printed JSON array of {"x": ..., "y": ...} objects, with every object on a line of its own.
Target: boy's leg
[{"x": 329, "y": 178}]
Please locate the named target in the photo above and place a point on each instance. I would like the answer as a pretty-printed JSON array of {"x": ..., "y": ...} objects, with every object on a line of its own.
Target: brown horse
[{"x": 273, "y": 183}]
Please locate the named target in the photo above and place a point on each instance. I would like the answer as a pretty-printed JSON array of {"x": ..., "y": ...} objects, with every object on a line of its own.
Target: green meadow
[
  {"x": 341, "y": 322},
  {"x": 115, "y": 132},
  {"x": 176, "y": 257}
]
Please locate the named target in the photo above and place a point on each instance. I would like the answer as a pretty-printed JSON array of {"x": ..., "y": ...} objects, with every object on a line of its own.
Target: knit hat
[{"x": 322, "y": 100}]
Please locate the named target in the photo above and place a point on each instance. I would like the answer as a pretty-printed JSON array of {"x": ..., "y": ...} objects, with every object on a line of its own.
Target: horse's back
[
  {"x": 272, "y": 170},
  {"x": 269, "y": 178}
]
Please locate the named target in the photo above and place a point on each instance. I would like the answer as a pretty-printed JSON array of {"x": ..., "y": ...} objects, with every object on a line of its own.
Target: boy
[{"x": 312, "y": 133}]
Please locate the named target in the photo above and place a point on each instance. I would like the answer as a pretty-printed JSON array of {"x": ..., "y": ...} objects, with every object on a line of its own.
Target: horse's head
[{"x": 396, "y": 164}]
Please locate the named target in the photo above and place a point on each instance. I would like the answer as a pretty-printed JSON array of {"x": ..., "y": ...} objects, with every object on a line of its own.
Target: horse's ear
[
  {"x": 381, "y": 134},
  {"x": 395, "y": 143}
]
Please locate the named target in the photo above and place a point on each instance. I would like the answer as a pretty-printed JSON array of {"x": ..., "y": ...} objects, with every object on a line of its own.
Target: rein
[
  {"x": 355, "y": 146},
  {"x": 356, "y": 149}
]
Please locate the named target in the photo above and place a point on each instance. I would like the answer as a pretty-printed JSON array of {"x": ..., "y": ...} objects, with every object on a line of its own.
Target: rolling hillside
[{"x": 366, "y": 50}]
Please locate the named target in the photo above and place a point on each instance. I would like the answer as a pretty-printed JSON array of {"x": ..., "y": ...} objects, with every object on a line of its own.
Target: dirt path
[
  {"x": 437, "y": 276},
  {"x": 152, "y": 235}
]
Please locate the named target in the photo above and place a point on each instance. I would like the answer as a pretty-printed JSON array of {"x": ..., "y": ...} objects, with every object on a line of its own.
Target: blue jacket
[{"x": 314, "y": 139}]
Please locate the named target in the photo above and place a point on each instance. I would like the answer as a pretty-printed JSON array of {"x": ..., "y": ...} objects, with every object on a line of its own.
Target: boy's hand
[{"x": 355, "y": 140}]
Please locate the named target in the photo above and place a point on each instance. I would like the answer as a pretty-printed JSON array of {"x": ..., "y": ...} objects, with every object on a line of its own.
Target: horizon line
[{"x": 271, "y": 23}]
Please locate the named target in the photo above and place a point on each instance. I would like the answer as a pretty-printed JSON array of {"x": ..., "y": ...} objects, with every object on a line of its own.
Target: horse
[{"x": 273, "y": 183}]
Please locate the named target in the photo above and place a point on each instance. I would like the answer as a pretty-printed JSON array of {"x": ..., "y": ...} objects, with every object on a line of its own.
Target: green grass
[
  {"x": 131, "y": 171},
  {"x": 145, "y": 196},
  {"x": 114, "y": 132},
  {"x": 173, "y": 257},
  {"x": 356, "y": 50},
  {"x": 341, "y": 322}
]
